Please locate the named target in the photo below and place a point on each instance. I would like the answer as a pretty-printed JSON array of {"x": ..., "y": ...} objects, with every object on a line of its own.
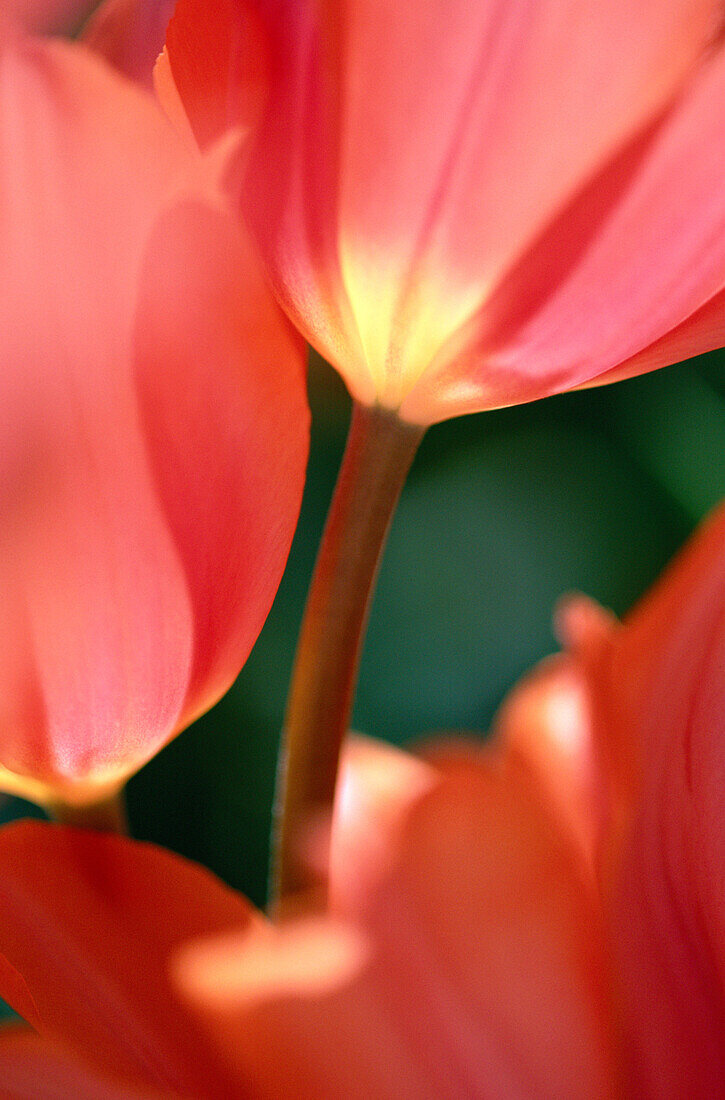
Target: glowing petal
[{"x": 154, "y": 429}]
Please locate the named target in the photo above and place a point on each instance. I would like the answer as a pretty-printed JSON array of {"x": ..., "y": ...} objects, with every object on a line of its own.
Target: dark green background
[{"x": 502, "y": 513}]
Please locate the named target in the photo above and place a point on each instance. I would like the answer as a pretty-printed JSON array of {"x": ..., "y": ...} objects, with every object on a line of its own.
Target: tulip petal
[
  {"x": 130, "y": 34},
  {"x": 378, "y": 784},
  {"x": 639, "y": 254},
  {"x": 226, "y": 417},
  {"x": 409, "y": 155},
  {"x": 88, "y": 621},
  {"x": 218, "y": 65},
  {"x": 485, "y": 979},
  {"x": 703, "y": 331},
  {"x": 546, "y": 723},
  {"x": 148, "y": 492},
  {"x": 34, "y": 1069},
  {"x": 665, "y": 866},
  {"x": 90, "y": 922}
]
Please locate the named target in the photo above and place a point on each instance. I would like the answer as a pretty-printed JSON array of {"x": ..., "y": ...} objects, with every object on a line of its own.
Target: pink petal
[
  {"x": 91, "y": 921},
  {"x": 410, "y": 155},
  {"x": 703, "y": 331},
  {"x": 221, "y": 384},
  {"x": 149, "y": 491},
  {"x": 629, "y": 277}
]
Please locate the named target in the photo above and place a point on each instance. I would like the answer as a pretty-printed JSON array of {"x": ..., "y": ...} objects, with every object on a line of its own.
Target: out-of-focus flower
[
  {"x": 504, "y": 923},
  {"x": 487, "y": 979},
  {"x": 506, "y": 1000},
  {"x": 487, "y": 974},
  {"x": 658, "y": 689},
  {"x": 464, "y": 206},
  {"x": 153, "y": 431}
]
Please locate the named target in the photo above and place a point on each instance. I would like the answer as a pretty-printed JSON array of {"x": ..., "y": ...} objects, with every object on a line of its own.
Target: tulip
[
  {"x": 461, "y": 206},
  {"x": 153, "y": 433},
  {"x": 538, "y": 918},
  {"x": 467, "y": 206}
]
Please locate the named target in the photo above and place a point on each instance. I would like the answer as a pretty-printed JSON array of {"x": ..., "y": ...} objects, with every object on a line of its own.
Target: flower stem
[
  {"x": 380, "y": 450},
  {"x": 108, "y": 815}
]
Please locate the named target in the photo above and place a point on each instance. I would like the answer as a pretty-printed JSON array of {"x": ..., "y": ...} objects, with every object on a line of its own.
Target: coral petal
[{"x": 90, "y": 922}]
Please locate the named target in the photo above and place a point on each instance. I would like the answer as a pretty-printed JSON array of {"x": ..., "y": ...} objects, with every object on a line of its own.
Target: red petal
[
  {"x": 660, "y": 689},
  {"x": 486, "y": 978},
  {"x": 35, "y": 1069},
  {"x": 218, "y": 64},
  {"x": 130, "y": 34},
  {"x": 90, "y": 921}
]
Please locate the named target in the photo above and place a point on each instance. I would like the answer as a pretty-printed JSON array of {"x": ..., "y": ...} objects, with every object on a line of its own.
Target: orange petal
[
  {"x": 217, "y": 65},
  {"x": 151, "y": 480},
  {"x": 663, "y": 681},
  {"x": 378, "y": 785},
  {"x": 90, "y": 922},
  {"x": 35, "y": 1069},
  {"x": 486, "y": 974}
]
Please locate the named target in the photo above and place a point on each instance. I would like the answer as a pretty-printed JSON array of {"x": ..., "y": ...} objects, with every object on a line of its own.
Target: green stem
[
  {"x": 108, "y": 815},
  {"x": 379, "y": 452}
]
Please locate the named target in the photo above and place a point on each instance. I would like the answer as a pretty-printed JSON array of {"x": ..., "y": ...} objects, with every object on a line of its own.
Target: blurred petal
[
  {"x": 306, "y": 957},
  {"x": 35, "y": 1069},
  {"x": 49, "y": 16},
  {"x": 378, "y": 784},
  {"x": 546, "y": 724},
  {"x": 486, "y": 978},
  {"x": 130, "y": 34},
  {"x": 154, "y": 435},
  {"x": 90, "y": 922},
  {"x": 665, "y": 868}
]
